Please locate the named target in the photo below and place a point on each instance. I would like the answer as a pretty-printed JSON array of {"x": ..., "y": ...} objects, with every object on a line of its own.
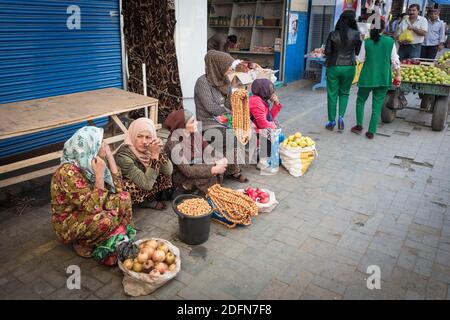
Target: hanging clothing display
[{"x": 149, "y": 27}]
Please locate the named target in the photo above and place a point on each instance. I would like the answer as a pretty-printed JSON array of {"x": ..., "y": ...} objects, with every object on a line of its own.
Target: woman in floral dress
[{"x": 87, "y": 199}]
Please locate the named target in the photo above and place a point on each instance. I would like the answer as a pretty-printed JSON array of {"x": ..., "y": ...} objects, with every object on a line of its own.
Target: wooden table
[{"x": 32, "y": 116}]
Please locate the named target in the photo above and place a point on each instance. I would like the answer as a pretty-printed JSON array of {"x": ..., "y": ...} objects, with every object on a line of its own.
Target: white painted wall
[{"x": 191, "y": 44}]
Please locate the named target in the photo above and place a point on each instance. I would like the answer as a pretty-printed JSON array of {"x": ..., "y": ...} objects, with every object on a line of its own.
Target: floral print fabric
[{"x": 83, "y": 214}]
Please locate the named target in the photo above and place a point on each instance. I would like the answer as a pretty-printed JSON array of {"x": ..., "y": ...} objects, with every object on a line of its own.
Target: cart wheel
[
  {"x": 440, "y": 113},
  {"x": 388, "y": 111}
]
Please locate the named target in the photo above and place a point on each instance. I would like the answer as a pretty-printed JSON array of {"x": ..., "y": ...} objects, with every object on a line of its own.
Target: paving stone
[{"x": 273, "y": 290}]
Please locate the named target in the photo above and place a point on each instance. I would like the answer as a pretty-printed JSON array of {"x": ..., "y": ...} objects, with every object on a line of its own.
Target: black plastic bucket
[{"x": 193, "y": 230}]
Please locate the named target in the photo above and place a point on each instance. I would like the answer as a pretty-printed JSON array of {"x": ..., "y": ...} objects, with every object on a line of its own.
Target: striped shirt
[{"x": 436, "y": 33}]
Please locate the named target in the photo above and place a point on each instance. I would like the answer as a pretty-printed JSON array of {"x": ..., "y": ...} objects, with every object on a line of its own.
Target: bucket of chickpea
[{"x": 194, "y": 218}]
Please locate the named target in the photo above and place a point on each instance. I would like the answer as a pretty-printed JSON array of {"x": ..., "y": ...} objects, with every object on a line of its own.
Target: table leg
[{"x": 323, "y": 79}]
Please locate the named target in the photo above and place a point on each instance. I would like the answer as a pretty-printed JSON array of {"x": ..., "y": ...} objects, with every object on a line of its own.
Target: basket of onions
[{"x": 157, "y": 262}]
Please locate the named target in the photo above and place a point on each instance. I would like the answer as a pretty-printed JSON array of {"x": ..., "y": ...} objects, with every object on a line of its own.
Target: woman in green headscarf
[{"x": 87, "y": 199}]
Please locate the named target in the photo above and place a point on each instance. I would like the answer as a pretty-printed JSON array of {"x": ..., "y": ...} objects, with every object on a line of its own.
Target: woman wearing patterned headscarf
[
  {"x": 87, "y": 199},
  {"x": 212, "y": 98},
  {"x": 196, "y": 164},
  {"x": 145, "y": 167}
]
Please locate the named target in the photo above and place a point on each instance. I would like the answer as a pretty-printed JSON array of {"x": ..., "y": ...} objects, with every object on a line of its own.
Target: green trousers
[
  {"x": 339, "y": 82},
  {"x": 378, "y": 95}
]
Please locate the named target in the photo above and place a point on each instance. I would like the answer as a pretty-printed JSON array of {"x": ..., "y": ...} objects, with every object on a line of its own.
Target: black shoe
[{"x": 369, "y": 135}]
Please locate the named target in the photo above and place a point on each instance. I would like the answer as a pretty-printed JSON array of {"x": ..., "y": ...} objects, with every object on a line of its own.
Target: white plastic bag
[
  {"x": 265, "y": 207},
  {"x": 297, "y": 160},
  {"x": 140, "y": 284}
]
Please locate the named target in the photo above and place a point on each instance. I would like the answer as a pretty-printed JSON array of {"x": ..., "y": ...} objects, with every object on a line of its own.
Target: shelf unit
[{"x": 250, "y": 36}]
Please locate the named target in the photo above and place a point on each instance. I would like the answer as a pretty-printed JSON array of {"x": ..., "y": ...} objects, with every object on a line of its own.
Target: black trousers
[{"x": 429, "y": 52}]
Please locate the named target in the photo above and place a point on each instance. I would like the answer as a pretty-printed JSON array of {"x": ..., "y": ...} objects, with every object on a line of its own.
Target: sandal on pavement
[{"x": 239, "y": 177}]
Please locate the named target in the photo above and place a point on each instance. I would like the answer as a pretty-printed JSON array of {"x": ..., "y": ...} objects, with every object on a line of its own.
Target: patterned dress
[{"x": 81, "y": 213}]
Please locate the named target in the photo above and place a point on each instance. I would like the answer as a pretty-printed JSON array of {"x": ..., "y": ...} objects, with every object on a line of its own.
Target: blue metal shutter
[{"x": 41, "y": 57}]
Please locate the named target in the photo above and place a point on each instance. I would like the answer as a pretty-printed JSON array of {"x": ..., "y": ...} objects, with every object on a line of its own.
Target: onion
[
  {"x": 172, "y": 267},
  {"x": 161, "y": 267},
  {"x": 142, "y": 257},
  {"x": 128, "y": 264},
  {"x": 152, "y": 243},
  {"x": 158, "y": 256},
  {"x": 148, "y": 266}
]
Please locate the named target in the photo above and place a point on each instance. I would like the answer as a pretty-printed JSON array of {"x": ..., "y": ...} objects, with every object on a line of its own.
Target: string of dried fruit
[
  {"x": 241, "y": 115},
  {"x": 234, "y": 206}
]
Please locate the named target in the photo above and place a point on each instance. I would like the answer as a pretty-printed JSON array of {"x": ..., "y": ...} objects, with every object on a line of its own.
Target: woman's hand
[
  {"x": 222, "y": 161},
  {"x": 274, "y": 99},
  {"x": 218, "y": 169},
  {"x": 155, "y": 148},
  {"x": 99, "y": 166}
]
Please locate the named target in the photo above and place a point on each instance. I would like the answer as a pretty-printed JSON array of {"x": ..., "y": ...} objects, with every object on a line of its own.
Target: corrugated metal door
[{"x": 43, "y": 53}]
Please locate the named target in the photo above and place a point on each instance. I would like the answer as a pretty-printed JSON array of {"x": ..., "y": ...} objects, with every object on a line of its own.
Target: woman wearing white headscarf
[
  {"x": 87, "y": 199},
  {"x": 145, "y": 167}
]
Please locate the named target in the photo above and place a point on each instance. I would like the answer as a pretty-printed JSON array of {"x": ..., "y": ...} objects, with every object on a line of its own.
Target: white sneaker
[
  {"x": 263, "y": 164},
  {"x": 269, "y": 171}
]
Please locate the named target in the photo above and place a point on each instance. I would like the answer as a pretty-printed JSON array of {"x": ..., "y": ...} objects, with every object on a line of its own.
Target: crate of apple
[{"x": 257, "y": 195}]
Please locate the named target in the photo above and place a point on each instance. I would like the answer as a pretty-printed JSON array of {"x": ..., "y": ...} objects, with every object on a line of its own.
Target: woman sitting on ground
[
  {"x": 263, "y": 116},
  {"x": 196, "y": 164},
  {"x": 145, "y": 167},
  {"x": 87, "y": 199}
]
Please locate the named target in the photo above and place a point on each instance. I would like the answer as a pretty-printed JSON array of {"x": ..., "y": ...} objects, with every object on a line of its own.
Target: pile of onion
[{"x": 154, "y": 258}]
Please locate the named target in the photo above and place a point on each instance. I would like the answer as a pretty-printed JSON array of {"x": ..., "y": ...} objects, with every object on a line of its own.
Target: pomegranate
[
  {"x": 164, "y": 248},
  {"x": 170, "y": 258},
  {"x": 137, "y": 267},
  {"x": 161, "y": 267},
  {"x": 158, "y": 256},
  {"x": 142, "y": 257},
  {"x": 148, "y": 266},
  {"x": 149, "y": 251},
  {"x": 172, "y": 267},
  {"x": 152, "y": 243},
  {"x": 128, "y": 264}
]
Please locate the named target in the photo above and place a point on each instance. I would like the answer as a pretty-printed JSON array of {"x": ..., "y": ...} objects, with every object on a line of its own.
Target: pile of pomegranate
[
  {"x": 257, "y": 195},
  {"x": 154, "y": 258}
]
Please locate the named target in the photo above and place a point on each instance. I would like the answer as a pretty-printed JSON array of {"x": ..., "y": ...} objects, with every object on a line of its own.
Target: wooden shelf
[
  {"x": 241, "y": 26},
  {"x": 252, "y": 52},
  {"x": 222, "y": 3},
  {"x": 213, "y": 26},
  {"x": 268, "y": 27}
]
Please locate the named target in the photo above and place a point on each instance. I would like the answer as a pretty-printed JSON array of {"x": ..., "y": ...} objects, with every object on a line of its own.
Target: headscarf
[
  {"x": 217, "y": 64},
  {"x": 263, "y": 88},
  {"x": 178, "y": 120},
  {"x": 82, "y": 148},
  {"x": 137, "y": 126}
]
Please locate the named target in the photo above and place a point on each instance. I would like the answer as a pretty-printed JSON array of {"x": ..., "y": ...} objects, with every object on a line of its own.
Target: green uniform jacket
[
  {"x": 376, "y": 71},
  {"x": 135, "y": 171}
]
